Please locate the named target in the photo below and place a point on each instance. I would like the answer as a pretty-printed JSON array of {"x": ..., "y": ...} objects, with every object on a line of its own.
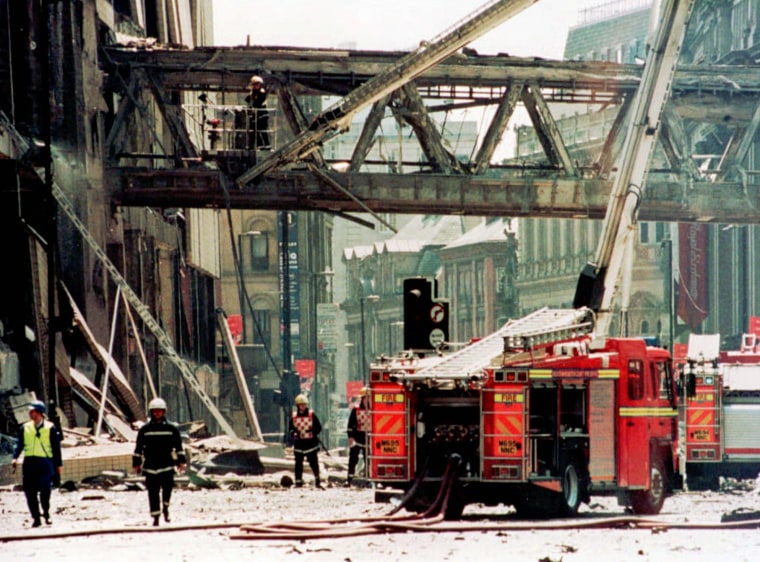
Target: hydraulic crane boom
[
  {"x": 598, "y": 282},
  {"x": 338, "y": 117}
]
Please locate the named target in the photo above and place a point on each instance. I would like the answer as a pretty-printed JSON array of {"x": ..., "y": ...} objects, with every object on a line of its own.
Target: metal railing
[{"x": 223, "y": 128}]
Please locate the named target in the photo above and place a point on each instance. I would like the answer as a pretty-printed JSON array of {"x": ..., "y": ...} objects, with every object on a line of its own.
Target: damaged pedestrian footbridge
[{"x": 700, "y": 171}]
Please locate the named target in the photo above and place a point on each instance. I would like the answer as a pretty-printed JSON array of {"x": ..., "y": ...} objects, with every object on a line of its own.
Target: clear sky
[{"x": 539, "y": 30}]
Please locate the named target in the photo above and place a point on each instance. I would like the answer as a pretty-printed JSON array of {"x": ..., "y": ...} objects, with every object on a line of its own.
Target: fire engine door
[{"x": 633, "y": 445}]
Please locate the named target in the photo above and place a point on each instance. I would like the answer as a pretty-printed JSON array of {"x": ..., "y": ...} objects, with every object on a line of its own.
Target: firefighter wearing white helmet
[
  {"x": 157, "y": 453},
  {"x": 157, "y": 404},
  {"x": 39, "y": 441},
  {"x": 258, "y": 118},
  {"x": 357, "y": 429},
  {"x": 305, "y": 428}
]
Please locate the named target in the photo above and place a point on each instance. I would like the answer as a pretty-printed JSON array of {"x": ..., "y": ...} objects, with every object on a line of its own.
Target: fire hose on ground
[
  {"x": 430, "y": 520},
  {"x": 349, "y": 527}
]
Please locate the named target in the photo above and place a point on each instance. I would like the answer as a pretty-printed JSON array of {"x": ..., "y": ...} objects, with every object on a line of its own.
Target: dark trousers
[
  {"x": 160, "y": 488},
  {"x": 311, "y": 457},
  {"x": 38, "y": 482},
  {"x": 353, "y": 457}
]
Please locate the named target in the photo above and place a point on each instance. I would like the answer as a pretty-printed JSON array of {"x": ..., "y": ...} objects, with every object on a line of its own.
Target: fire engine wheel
[
  {"x": 649, "y": 502},
  {"x": 570, "y": 497}
]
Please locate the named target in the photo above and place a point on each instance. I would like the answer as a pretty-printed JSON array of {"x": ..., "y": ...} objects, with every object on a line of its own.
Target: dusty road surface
[{"x": 111, "y": 526}]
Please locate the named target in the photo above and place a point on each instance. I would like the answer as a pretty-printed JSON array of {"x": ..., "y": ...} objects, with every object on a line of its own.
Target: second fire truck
[{"x": 721, "y": 411}]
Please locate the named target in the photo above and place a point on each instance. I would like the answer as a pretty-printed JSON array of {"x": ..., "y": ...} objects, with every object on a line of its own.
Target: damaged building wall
[{"x": 148, "y": 246}]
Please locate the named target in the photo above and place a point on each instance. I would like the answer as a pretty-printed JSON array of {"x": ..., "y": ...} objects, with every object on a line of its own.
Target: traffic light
[
  {"x": 290, "y": 387},
  {"x": 426, "y": 318}
]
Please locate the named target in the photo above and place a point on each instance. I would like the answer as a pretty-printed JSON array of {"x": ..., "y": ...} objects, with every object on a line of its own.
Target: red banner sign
[
  {"x": 754, "y": 325},
  {"x": 352, "y": 391},
  {"x": 305, "y": 368},
  {"x": 693, "y": 304},
  {"x": 680, "y": 352},
  {"x": 235, "y": 323}
]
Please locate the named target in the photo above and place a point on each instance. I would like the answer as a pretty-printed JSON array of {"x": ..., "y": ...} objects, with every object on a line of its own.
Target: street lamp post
[
  {"x": 327, "y": 273},
  {"x": 362, "y": 298}
]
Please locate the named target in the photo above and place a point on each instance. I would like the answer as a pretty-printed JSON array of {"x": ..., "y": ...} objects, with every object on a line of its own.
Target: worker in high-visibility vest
[
  {"x": 305, "y": 428},
  {"x": 39, "y": 441},
  {"x": 357, "y": 429}
]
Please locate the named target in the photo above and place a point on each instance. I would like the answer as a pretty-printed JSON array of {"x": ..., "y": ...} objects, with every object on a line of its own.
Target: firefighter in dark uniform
[
  {"x": 158, "y": 451},
  {"x": 358, "y": 427},
  {"x": 305, "y": 428},
  {"x": 40, "y": 442},
  {"x": 258, "y": 118}
]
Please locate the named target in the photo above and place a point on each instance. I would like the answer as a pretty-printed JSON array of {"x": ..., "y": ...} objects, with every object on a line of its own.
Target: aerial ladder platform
[{"x": 598, "y": 283}]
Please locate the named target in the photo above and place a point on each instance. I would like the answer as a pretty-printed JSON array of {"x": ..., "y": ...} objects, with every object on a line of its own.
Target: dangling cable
[{"x": 241, "y": 285}]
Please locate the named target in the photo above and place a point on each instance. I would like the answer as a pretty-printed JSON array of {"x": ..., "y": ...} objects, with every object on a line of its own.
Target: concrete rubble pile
[{"x": 214, "y": 462}]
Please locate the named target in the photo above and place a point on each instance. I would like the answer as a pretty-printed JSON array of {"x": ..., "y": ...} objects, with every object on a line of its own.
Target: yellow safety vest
[{"x": 37, "y": 440}]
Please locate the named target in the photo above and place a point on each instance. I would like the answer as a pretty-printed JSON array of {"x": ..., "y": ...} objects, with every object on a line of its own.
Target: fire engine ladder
[
  {"x": 164, "y": 341},
  {"x": 338, "y": 117},
  {"x": 598, "y": 283},
  {"x": 541, "y": 327}
]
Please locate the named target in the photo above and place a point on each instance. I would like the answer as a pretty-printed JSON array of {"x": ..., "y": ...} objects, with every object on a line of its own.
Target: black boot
[
  {"x": 166, "y": 514},
  {"x": 36, "y": 522},
  {"x": 155, "y": 520},
  {"x": 46, "y": 515},
  {"x": 316, "y": 483}
]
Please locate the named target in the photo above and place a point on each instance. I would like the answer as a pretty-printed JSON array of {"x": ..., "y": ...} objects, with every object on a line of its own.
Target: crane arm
[
  {"x": 598, "y": 282},
  {"x": 338, "y": 117}
]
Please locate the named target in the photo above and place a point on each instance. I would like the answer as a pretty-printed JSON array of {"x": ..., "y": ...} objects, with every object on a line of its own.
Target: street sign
[
  {"x": 327, "y": 327},
  {"x": 437, "y": 313},
  {"x": 437, "y": 337}
]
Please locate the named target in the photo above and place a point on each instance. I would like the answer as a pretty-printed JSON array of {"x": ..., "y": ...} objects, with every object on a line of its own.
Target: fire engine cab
[
  {"x": 721, "y": 403},
  {"x": 539, "y": 415}
]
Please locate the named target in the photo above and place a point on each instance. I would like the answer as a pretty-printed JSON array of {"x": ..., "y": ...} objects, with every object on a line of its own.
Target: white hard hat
[
  {"x": 301, "y": 399},
  {"x": 157, "y": 404}
]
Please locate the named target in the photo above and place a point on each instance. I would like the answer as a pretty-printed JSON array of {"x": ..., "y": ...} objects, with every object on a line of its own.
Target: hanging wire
[
  {"x": 480, "y": 128},
  {"x": 242, "y": 290},
  {"x": 459, "y": 133}
]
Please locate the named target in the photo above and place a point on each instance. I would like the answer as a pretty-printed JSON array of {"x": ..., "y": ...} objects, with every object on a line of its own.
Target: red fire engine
[
  {"x": 721, "y": 411},
  {"x": 539, "y": 415}
]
